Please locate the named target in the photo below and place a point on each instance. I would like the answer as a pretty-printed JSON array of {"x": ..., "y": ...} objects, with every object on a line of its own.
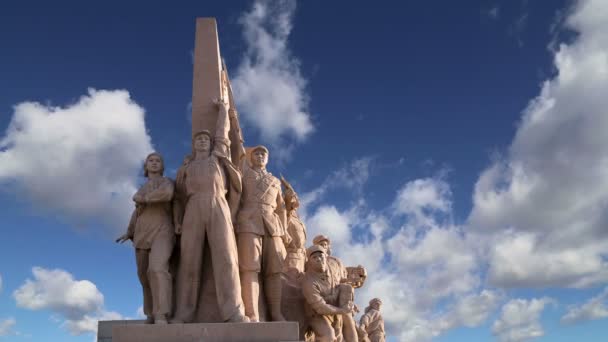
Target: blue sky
[{"x": 456, "y": 149}]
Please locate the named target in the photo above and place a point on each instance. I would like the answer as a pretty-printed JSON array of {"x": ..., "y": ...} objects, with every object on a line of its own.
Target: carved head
[
  {"x": 292, "y": 202},
  {"x": 317, "y": 259},
  {"x": 375, "y": 303},
  {"x": 323, "y": 241},
  {"x": 154, "y": 163},
  {"x": 201, "y": 142},
  {"x": 259, "y": 156}
]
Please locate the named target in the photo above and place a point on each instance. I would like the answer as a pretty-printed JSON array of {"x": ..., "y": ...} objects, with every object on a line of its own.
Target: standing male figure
[
  {"x": 260, "y": 232},
  {"x": 296, "y": 231},
  {"x": 201, "y": 211},
  {"x": 371, "y": 324},
  {"x": 325, "y": 305}
]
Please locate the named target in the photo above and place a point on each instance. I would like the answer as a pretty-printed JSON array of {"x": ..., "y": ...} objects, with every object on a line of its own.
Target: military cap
[
  {"x": 313, "y": 249},
  {"x": 375, "y": 300},
  {"x": 259, "y": 147},
  {"x": 204, "y": 131},
  {"x": 319, "y": 238}
]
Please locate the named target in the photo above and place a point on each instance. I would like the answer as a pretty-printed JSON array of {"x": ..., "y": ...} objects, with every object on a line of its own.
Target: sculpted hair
[{"x": 162, "y": 162}]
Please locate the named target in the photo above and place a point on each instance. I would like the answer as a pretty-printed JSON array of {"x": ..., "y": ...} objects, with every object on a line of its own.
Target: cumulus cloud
[
  {"x": 81, "y": 160},
  {"x": 269, "y": 88},
  {"x": 415, "y": 257},
  {"x": 6, "y": 326},
  {"x": 544, "y": 204},
  {"x": 519, "y": 320},
  {"x": 78, "y": 302},
  {"x": 595, "y": 308}
]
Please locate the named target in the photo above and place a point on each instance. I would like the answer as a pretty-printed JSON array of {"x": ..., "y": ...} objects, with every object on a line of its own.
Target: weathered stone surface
[
  {"x": 207, "y": 81},
  {"x": 104, "y": 328},
  {"x": 134, "y": 331}
]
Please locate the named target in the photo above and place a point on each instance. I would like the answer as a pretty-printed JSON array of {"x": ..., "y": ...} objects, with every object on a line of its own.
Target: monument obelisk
[
  {"x": 207, "y": 77},
  {"x": 210, "y": 82}
]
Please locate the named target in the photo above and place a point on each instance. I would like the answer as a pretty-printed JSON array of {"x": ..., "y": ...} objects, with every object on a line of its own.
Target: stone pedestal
[{"x": 135, "y": 331}]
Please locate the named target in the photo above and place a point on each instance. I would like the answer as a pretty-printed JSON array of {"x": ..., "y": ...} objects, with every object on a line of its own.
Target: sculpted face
[
  {"x": 318, "y": 262},
  {"x": 259, "y": 158},
  {"x": 325, "y": 244},
  {"x": 202, "y": 143},
  {"x": 376, "y": 306},
  {"x": 154, "y": 164}
]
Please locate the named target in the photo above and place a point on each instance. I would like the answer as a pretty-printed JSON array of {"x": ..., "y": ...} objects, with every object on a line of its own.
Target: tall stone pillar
[{"x": 207, "y": 79}]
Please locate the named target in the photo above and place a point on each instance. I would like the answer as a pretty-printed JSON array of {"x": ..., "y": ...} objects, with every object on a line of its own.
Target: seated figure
[{"x": 325, "y": 303}]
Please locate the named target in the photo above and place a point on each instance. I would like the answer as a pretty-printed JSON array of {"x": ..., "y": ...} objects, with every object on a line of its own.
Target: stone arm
[
  {"x": 313, "y": 297},
  {"x": 164, "y": 193},
  {"x": 364, "y": 322},
  {"x": 179, "y": 198},
  {"x": 221, "y": 146}
]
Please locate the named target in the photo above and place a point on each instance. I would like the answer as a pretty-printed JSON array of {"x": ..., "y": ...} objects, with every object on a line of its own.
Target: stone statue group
[{"x": 235, "y": 226}]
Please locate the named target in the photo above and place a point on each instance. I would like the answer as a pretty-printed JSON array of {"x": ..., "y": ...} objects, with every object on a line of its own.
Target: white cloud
[
  {"x": 420, "y": 197},
  {"x": 81, "y": 160},
  {"x": 416, "y": 260},
  {"x": 6, "y": 326},
  {"x": 595, "y": 308},
  {"x": 89, "y": 323},
  {"x": 551, "y": 189},
  {"x": 352, "y": 176},
  {"x": 78, "y": 301},
  {"x": 474, "y": 309},
  {"x": 269, "y": 88},
  {"x": 140, "y": 312},
  {"x": 519, "y": 320}
]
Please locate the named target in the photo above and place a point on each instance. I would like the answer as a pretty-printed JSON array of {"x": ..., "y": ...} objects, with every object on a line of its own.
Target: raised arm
[{"x": 221, "y": 146}]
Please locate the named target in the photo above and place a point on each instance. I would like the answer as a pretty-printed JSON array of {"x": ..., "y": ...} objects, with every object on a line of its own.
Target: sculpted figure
[
  {"x": 151, "y": 229},
  {"x": 296, "y": 232},
  {"x": 371, "y": 324},
  {"x": 260, "y": 233},
  {"x": 326, "y": 303},
  {"x": 338, "y": 274},
  {"x": 202, "y": 212}
]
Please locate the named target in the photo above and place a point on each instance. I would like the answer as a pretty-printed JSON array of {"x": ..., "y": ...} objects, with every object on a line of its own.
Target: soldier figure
[
  {"x": 260, "y": 233},
  {"x": 296, "y": 232},
  {"x": 202, "y": 212},
  {"x": 326, "y": 303},
  {"x": 338, "y": 274},
  {"x": 151, "y": 230},
  {"x": 371, "y": 324}
]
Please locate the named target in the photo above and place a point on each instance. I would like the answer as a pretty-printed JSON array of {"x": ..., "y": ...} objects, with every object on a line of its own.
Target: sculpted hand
[
  {"x": 123, "y": 238},
  {"x": 286, "y": 239},
  {"x": 222, "y": 103},
  {"x": 348, "y": 308}
]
